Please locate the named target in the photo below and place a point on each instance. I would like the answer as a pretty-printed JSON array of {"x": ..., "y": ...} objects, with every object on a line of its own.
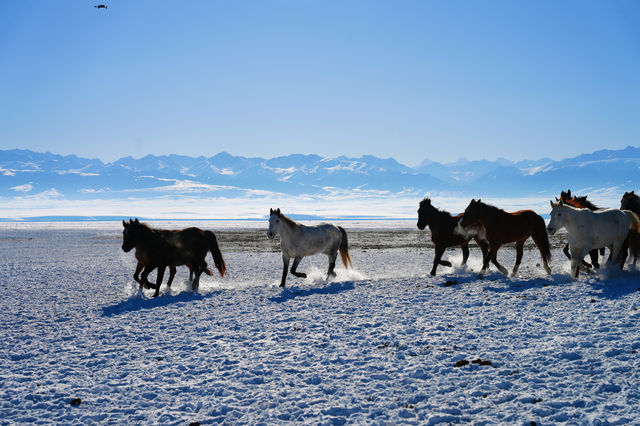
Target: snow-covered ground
[{"x": 385, "y": 343}]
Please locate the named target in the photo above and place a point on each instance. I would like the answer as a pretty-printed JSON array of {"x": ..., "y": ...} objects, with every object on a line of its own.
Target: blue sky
[{"x": 403, "y": 79}]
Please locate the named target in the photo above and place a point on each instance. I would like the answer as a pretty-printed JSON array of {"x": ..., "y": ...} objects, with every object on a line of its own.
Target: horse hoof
[{"x": 302, "y": 275}]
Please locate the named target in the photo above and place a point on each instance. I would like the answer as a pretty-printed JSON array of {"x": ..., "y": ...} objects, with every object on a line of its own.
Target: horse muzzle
[
  {"x": 421, "y": 226},
  {"x": 551, "y": 231},
  {"x": 271, "y": 235},
  {"x": 126, "y": 249}
]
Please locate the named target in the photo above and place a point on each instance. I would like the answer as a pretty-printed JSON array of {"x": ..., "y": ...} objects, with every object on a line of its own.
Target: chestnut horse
[
  {"x": 445, "y": 233},
  {"x": 581, "y": 202},
  {"x": 169, "y": 248},
  {"x": 503, "y": 227}
]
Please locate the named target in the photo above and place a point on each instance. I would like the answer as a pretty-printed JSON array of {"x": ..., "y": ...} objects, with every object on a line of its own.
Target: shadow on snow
[
  {"x": 293, "y": 292},
  {"x": 137, "y": 304}
]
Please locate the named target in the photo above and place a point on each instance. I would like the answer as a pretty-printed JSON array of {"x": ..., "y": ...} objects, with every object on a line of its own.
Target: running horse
[
  {"x": 588, "y": 229},
  {"x": 298, "y": 240},
  {"x": 504, "y": 227},
  {"x": 630, "y": 204},
  {"x": 445, "y": 233},
  {"x": 160, "y": 249},
  {"x": 581, "y": 202}
]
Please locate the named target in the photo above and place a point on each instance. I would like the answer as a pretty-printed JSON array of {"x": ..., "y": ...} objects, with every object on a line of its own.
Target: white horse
[
  {"x": 298, "y": 241},
  {"x": 587, "y": 230}
]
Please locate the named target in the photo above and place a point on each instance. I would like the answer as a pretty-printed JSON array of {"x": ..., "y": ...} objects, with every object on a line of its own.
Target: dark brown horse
[
  {"x": 504, "y": 227},
  {"x": 581, "y": 202},
  {"x": 445, "y": 233},
  {"x": 170, "y": 248},
  {"x": 631, "y": 201}
]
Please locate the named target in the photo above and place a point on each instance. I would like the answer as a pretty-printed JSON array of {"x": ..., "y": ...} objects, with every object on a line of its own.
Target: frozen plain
[{"x": 385, "y": 343}]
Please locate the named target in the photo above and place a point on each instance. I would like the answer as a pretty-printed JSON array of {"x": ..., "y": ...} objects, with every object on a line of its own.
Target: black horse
[
  {"x": 446, "y": 233},
  {"x": 170, "y": 248}
]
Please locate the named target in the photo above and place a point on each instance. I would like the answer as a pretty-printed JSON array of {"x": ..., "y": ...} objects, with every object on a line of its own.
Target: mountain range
[{"x": 25, "y": 173}]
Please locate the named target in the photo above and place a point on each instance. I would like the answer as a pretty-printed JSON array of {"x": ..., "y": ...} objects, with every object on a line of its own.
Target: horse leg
[
  {"x": 566, "y": 251},
  {"x": 494, "y": 260},
  {"x": 294, "y": 267},
  {"x": 437, "y": 259},
  {"x": 593, "y": 254},
  {"x": 144, "y": 280},
  {"x": 136, "y": 275},
  {"x": 486, "y": 258},
  {"x": 159, "y": 280},
  {"x": 172, "y": 273},
  {"x": 465, "y": 253},
  {"x": 285, "y": 260},
  {"x": 484, "y": 247},
  {"x": 197, "y": 271},
  {"x": 332, "y": 265},
  {"x": 519, "y": 252},
  {"x": 576, "y": 255}
]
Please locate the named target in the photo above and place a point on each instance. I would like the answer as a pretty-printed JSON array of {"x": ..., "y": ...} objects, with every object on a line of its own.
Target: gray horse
[{"x": 298, "y": 241}]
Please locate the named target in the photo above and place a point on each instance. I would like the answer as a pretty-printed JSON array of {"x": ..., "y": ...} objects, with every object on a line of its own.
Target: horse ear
[
  {"x": 270, "y": 212},
  {"x": 137, "y": 221},
  {"x": 551, "y": 202},
  {"x": 124, "y": 223},
  {"x": 278, "y": 211}
]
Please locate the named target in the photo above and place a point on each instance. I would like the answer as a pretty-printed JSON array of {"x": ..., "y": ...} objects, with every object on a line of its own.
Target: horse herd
[{"x": 589, "y": 230}]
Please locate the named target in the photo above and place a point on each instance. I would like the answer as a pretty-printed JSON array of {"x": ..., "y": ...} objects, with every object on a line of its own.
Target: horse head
[
  {"x": 424, "y": 213},
  {"x": 628, "y": 200},
  {"x": 471, "y": 214},
  {"x": 130, "y": 234},
  {"x": 557, "y": 218},
  {"x": 274, "y": 223}
]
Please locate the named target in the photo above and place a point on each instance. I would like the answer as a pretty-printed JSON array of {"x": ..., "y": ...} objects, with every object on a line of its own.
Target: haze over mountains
[{"x": 28, "y": 173}]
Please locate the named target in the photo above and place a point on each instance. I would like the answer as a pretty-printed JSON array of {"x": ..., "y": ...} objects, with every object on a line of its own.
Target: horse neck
[
  {"x": 288, "y": 227},
  {"x": 437, "y": 217},
  {"x": 489, "y": 215},
  {"x": 146, "y": 235},
  {"x": 571, "y": 215}
]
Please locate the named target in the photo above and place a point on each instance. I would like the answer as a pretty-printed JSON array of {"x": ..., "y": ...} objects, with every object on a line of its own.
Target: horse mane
[
  {"x": 580, "y": 202},
  {"x": 490, "y": 206},
  {"x": 427, "y": 202},
  {"x": 287, "y": 220}
]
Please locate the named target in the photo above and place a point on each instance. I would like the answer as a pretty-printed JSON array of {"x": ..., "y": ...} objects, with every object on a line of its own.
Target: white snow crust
[{"x": 378, "y": 344}]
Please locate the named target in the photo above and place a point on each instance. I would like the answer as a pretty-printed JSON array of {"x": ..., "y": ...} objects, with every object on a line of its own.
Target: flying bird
[{"x": 100, "y": 6}]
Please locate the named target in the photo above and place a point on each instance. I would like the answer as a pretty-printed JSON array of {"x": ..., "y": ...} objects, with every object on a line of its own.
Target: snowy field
[{"x": 385, "y": 343}]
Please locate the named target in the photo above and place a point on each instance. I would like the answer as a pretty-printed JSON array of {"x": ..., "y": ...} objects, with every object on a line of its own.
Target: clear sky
[{"x": 403, "y": 79}]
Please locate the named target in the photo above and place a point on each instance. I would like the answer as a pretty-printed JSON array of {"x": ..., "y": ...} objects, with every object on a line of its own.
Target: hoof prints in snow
[{"x": 380, "y": 346}]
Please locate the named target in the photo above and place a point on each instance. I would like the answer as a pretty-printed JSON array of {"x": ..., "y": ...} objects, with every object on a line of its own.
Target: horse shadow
[
  {"x": 139, "y": 304},
  {"x": 515, "y": 285},
  {"x": 290, "y": 293},
  {"x": 615, "y": 285}
]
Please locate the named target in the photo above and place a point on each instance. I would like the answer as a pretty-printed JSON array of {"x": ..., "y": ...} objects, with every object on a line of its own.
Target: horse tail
[
  {"x": 212, "y": 242},
  {"x": 344, "y": 248},
  {"x": 541, "y": 238}
]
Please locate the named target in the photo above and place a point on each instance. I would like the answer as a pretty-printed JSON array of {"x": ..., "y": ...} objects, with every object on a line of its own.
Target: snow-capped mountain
[{"x": 24, "y": 172}]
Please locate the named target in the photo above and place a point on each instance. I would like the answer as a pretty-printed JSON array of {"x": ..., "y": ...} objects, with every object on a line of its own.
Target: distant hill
[{"x": 24, "y": 172}]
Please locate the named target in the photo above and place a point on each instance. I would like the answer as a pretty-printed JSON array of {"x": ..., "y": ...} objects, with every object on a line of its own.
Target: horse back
[
  {"x": 508, "y": 227},
  {"x": 309, "y": 240}
]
